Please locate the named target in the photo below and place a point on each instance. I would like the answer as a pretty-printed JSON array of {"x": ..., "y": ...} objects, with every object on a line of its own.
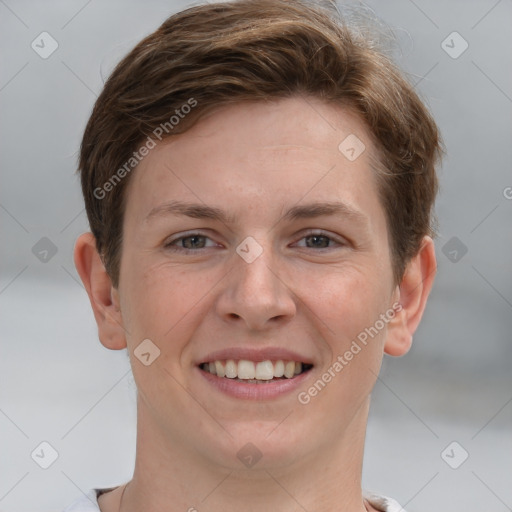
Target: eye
[
  {"x": 320, "y": 241},
  {"x": 191, "y": 242}
]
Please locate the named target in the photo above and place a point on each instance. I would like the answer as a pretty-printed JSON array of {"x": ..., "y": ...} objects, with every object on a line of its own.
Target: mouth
[{"x": 255, "y": 372}]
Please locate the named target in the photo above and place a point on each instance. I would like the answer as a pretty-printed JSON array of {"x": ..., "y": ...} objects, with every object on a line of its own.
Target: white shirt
[{"x": 89, "y": 503}]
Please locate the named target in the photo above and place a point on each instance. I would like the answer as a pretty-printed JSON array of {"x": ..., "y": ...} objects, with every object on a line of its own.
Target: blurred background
[{"x": 440, "y": 429}]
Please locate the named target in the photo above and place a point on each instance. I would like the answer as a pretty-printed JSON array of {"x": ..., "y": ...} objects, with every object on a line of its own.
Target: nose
[{"x": 257, "y": 293}]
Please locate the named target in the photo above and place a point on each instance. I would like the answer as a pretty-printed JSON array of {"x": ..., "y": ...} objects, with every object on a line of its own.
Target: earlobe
[
  {"x": 399, "y": 338},
  {"x": 413, "y": 293},
  {"x": 103, "y": 297}
]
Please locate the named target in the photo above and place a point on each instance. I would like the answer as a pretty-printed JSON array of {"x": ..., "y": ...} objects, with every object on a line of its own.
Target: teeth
[
  {"x": 289, "y": 369},
  {"x": 219, "y": 369},
  {"x": 264, "y": 370},
  {"x": 246, "y": 369},
  {"x": 252, "y": 381},
  {"x": 279, "y": 369},
  {"x": 249, "y": 371},
  {"x": 231, "y": 369}
]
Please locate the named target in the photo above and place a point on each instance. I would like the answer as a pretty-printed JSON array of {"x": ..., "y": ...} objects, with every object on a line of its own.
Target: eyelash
[{"x": 171, "y": 245}]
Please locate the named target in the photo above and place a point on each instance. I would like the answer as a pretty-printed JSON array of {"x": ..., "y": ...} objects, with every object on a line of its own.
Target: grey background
[{"x": 58, "y": 384}]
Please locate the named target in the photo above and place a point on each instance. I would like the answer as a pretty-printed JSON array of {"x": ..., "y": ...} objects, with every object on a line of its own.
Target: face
[{"x": 253, "y": 238}]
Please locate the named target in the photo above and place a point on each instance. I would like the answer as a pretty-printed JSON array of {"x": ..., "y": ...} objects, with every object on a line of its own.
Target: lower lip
[{"x": 250, "y": 391}]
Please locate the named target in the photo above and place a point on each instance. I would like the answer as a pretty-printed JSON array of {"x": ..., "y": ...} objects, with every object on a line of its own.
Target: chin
[{"x": 263, "y": 445}]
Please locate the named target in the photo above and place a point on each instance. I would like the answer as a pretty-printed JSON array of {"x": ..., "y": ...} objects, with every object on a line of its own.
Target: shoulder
[
  {"x": 86, "y": 503},
  {"x": 383, "y": 503},
  {"x": 89, "y": 502}
]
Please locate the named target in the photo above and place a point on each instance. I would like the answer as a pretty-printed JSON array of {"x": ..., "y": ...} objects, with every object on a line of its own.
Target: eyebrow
[{"x": 306, "y": 211}]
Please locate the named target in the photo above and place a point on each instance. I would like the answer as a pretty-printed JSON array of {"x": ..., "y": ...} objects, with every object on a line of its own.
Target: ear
[
  {"x": 103, "y": 296},
  {"x": 412, "y": 294}
]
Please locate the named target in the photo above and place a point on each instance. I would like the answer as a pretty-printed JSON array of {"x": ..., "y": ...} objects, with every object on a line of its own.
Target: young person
[{"x": 259, "y": 180}]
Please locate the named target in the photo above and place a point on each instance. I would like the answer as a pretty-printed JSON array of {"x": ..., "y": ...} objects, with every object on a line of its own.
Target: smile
[
  {"x": 256, "y": 380},
  {"x": 255, "y": 372}
]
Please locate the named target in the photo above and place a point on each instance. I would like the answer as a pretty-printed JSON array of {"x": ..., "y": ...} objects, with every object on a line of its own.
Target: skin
[{"x": 254, "y": 161}]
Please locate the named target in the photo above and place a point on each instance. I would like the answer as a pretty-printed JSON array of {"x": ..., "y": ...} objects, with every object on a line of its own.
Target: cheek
[
  {"x": 165, "y": 304},
  {"x": 346, "y": 304},
  {"x": 164, "y": 307},
  {"x": 348, "y": 309},
  {"x": 344, "y": 301}
]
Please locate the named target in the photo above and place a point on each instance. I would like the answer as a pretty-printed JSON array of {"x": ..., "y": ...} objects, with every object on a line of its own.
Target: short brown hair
[{"x": 216, "y": 54}]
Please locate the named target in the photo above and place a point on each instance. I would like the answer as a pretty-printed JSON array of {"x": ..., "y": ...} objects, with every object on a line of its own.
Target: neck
[{"x": 170, "y": 476}]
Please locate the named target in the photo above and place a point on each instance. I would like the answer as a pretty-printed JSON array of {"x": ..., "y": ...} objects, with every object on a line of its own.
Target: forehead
[{"x": 249, "y": 154}]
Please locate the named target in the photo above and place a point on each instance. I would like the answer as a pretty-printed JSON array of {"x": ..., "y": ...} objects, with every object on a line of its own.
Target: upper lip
[{"x": 256, "y": 355}]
